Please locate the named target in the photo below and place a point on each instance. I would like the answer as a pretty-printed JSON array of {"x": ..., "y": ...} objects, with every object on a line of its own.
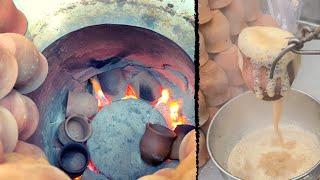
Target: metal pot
[{"x": 245, "y": 113}]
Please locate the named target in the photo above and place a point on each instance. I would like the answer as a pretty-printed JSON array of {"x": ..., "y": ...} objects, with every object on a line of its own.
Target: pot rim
[
  {"x": 168, "y": 134},
  {"x": 88, "y": 128},
  {"x": 221, "y": 169}
]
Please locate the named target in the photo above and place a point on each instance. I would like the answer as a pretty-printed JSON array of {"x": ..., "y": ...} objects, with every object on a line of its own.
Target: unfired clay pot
[
  {"x": 8, "y": 130},
  {"x": 29, "y": 150},
  {"x": 217, "y": 4},
  {"x": 15, "y": 104},
  {"x": 189, "y": 145},
  {"x": 228, "y": 61},
  {"x": 265, "y": 20},
  {"x": 252, "y": 9},
  {"x": 81, "y": 103},
  {"x": 203, "y": 55},
  {"x": 11, "y": 19},
  {"x": 236, "y": 16},
  {"x": 32, "y": 66},
  {"x": 216, "y": 33},
  {"x": 214, "y": 84},
  {"x": 204, "y": 11},
  {"x": 32, "y": 119},
  {"x": 203, "y": 110},
  {"x": 8, "y": 71}
]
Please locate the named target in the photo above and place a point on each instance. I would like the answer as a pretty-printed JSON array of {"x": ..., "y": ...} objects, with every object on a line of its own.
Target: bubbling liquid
[{"x": 259, "y": 155}]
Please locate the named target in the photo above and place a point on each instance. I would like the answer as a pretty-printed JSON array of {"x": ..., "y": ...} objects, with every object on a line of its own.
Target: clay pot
[
  {"x": 189, "y": 145},
  {"x": 146, "y": 86},
  {"x": 32, "y": 66},
  {"x": 16, "y": 105},
  {"x": 204, "y": 11},
  {"x": 228, "y": 61},
  {"x": 11, "y": 19},
  {"x": 29, "y": 150},
  {"x": 265, "y": 20},
  {"x": 8, "y": 72},
  {"x": 32, "y": 119},
  {"x": 216, "y": 33},
  {"x": 236, "y": 16},
  {"x": 73, "y": 159},
  {"x": 165, "y": 172},
  {"x": 212, "y": 112},
  {"x": 214, "y": 84},
  {"x": 252, "y": 9},
  {"x": 181, "y": 131},
  {"x": 75, "y": 128},
  {"x": 267, "y": 42},
  {"x": 203, "y": 110},
  {"x": 112, "y": 82},
  {"x": 81, "y": 103},
  {"x": 203, "y": 55},
  {"x": 217, "y": 4},
  {"x": 155, "y": 144},
  {"x": 37, "y": 79},
  {"x": 8, "y": 130}
]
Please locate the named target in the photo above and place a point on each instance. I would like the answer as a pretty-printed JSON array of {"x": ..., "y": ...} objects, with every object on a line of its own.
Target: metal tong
[{"x": 295, "y": 45}]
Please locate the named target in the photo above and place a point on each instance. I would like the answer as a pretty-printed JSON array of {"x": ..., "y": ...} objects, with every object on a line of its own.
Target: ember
[
  {"x": 130, "y": 93},
  {"x": 103, "y": 99},
  {"x": 77, "y": 178}
]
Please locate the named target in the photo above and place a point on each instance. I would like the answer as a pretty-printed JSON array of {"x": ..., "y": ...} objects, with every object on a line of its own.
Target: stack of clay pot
[
  {"x": 220, "y": 23},
  {"x": 22, "y": 70}
]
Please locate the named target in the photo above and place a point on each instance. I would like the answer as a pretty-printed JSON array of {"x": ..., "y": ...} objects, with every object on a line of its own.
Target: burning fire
[
  {"x": 130, "y": 93},
  {"x": 103, "y": 100},
  {"x": 77, "y": 178},
  {"x": 170, "y": 109}
]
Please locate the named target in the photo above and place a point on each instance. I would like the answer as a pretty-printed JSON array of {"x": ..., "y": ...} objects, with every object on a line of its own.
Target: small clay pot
[
  {"x": 8, "y": 130},
  {"x": 37, "y": 79},
  {"x": 203, "y": 55},
  {"x": 204, "y": 11},
  {"x": 267, "y": 42},
  {"x": 29, "y": 150},
  {"x": 8, "y": 71},
  {"x": 203, "y": 109},
  {"x": 112, "y": 82},
  {"x": 236, "y": 16},
  {"x": 155, "y": 144},
  {"x": 216, "y": 33},
  {"x": 146, "y": 86},
  {"x": 73, "y": 159},
  {"x": 81, "y": 103},
  {"x": 228, "y": 61},
  {"x": 214, "y": 84},
  {"x": 28, "y": 59},
  {"x": 252, "y": 9},
  {"x": 16, "y": 105},
  {"x": 189, "y": 145},
  {"x": 181, "y": 131},
  {"x": 11, "y": 19},
  {"x": 32, "y": 121},
  {"x": 218, "y": 4},
  {"x": 265, "y": 20},
  {"x": 75, "y": 128}
]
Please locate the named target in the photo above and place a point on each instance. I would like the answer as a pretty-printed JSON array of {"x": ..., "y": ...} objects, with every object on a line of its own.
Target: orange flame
[
  {"x": 170, "y": 109},
  {"x": 77, "y": 178},
  {"x": 175, "y": 114},
  {"x": 130, "y": 93},
  {"x": 165, "y": 95},
  {"x": 93, "y": 167},
  {"x": 103, "y": 100}
]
